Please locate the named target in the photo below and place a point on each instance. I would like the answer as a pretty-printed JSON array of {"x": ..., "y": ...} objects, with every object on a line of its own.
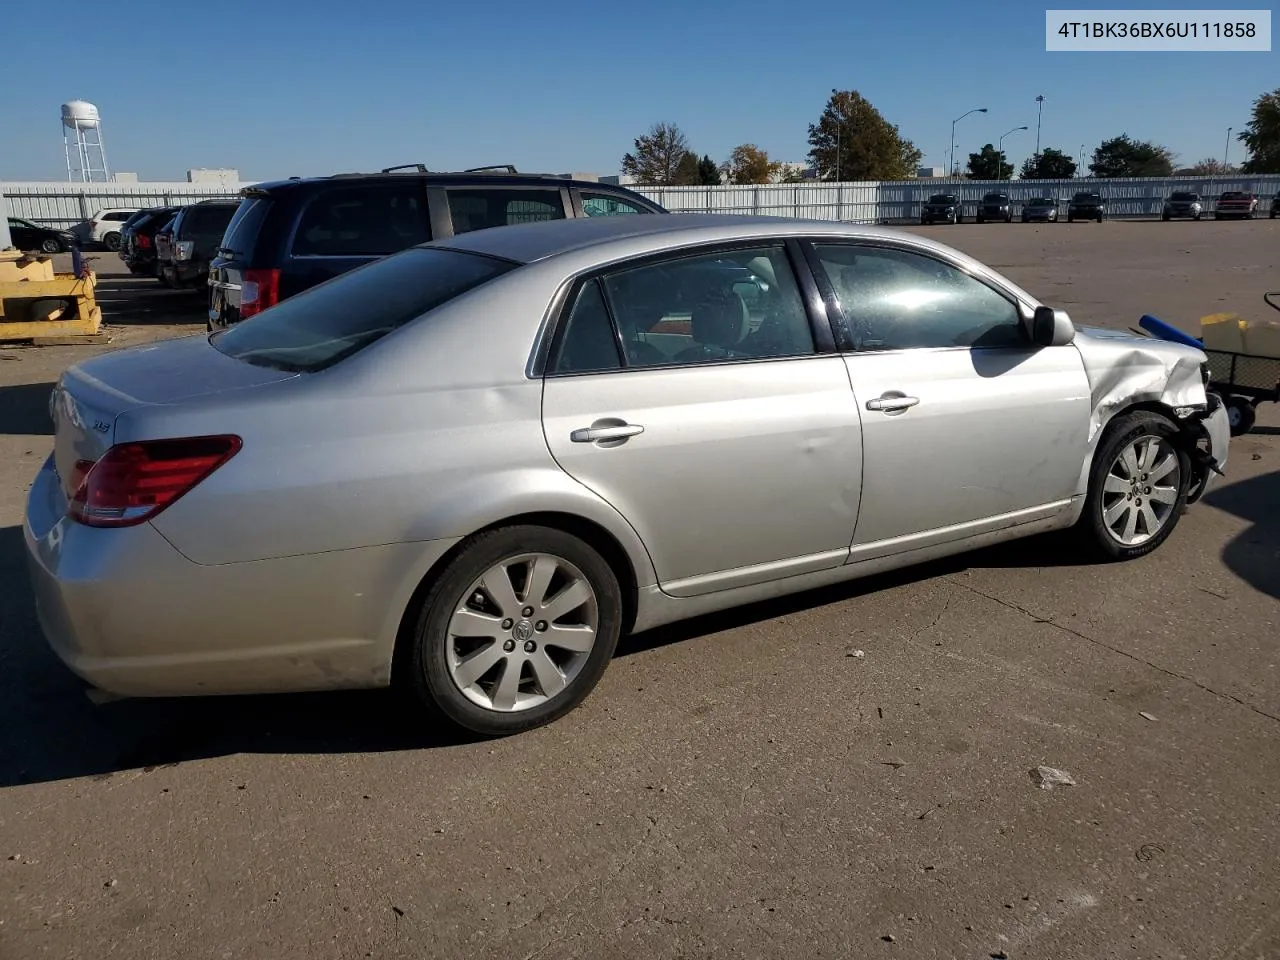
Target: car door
[
  {"x": 699, "y": 394},
  {"x": 967, "y": 426}
]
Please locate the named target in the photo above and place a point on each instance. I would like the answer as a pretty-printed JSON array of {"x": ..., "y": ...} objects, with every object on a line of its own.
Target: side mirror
[{"x": 1051, "y": 328}]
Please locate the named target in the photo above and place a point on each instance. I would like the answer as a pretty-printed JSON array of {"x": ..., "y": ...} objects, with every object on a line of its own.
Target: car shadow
[
  {"x": 1252, "y": 555},
  {"x": 143, "y": 301},
  {"x": 24, "y": 409},
  {"x": 51, "y": 730}
]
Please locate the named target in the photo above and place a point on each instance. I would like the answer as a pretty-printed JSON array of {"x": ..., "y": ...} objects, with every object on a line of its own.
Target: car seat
[{"x": 719, "y": 324}]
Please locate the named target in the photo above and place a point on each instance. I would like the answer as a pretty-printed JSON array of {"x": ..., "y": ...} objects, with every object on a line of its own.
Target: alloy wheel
[
  {"x": 522, "y": 632},
  {"x": 1141, "y": 490}
]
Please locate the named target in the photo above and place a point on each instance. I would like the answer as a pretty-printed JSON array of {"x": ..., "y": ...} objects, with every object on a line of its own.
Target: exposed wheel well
[{"x": 589, "y": 532}]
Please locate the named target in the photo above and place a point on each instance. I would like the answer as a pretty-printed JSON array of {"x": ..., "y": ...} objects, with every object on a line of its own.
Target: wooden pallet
[{"x": 26, "y": 280}]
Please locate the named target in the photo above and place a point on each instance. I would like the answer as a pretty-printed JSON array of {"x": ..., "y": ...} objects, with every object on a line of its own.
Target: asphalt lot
[{"x": 736, "y": 786}]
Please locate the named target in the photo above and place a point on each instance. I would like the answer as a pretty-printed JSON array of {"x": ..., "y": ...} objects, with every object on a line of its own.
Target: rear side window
[
  {"x": 242, "y": 231},
  {"x": 479, "y": 208},
  {"x": 365, "y": 221},
  {"x": 606, "y": 205},
  {"x": 328, "y": 323},
  {"x": 207, "y": 221}
]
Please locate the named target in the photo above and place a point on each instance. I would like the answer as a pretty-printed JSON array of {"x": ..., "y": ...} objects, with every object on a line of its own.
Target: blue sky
[{"x": 566, "y": 86}]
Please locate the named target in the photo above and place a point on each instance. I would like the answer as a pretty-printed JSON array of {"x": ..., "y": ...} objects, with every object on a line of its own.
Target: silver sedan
[{"x": 470, "y": 467}]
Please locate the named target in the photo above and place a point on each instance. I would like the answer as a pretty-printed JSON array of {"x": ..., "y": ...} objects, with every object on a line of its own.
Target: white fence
[
  {"x": 900, "y": 201},
  {"x": 65, "y": 204},
  {"x": 62, "y": 205}
]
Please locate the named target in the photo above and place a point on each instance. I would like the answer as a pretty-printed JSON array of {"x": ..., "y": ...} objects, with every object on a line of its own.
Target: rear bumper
[{"x": 129, "y": 614}]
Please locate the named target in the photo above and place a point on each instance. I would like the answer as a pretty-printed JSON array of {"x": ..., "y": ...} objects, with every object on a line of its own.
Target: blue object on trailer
[{"x": 1163, "y": 331}]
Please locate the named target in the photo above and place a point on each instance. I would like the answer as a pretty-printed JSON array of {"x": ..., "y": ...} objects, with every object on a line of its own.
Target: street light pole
[
  {"x": 1039, "y": 112},
  {"x": 839, "y": 130},
  {"x": 1080, "y": 160},
  {"x": 951, "y": 172},
  {"x": 1226, "y": 151},
  {"x": 6, "y": 239},
  {"x": 1000, "y": 150}
]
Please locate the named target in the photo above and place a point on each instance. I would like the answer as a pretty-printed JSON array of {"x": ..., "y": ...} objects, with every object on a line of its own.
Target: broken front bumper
[{"x": 1211, "y": 437}]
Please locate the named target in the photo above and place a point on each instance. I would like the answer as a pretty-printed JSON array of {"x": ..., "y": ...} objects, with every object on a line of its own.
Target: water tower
[{"x": 82, "y": 138}]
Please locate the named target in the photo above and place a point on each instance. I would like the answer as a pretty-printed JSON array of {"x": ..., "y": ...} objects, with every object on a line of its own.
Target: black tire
[
  {"x": 1241, "y": 415},
  {"x": 427, "y": 669},
  {"x": 50, "y": 245},
  {"x": 980, "y": 220},
  {"x": 1164, "y": 217},
  {"x": 1123, "y": 431},
  {"x": 112, "y": 241},
  {"x": 1197, "y": 218}
]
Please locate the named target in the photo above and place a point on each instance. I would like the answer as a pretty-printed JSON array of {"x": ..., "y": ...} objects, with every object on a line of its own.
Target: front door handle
[
  {"x": 594, "y": 433},
  {"x": 891, "y": 403}
]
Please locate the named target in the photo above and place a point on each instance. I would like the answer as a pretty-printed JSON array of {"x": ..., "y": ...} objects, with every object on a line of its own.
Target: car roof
[
  {"x": 439, "y": 179},
  {"x": 529, "y": 242}
]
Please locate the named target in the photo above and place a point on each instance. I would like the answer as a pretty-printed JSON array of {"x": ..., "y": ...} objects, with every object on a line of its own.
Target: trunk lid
[{"x": 90, "y": 396}]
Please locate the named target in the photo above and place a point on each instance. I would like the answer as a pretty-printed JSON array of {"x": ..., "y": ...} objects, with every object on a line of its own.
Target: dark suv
[
  {"x": 290, "y": 235},
  {"x": 995, "y": 206},
  {"x": 194, "y": 238}
]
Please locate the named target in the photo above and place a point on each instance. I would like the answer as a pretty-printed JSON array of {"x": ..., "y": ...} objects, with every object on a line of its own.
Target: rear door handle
[
  {"x": 891, "y": 403},
  {"x": 617, "y": 432}
]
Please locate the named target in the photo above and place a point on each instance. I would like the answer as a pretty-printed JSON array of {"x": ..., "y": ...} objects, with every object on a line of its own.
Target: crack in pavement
[{"x": 1106, "y": 646}]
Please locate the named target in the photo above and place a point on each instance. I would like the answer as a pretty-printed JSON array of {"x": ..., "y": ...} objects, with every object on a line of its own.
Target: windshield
[
  {"x": 1087, "y": 197},
  {"x": 942, "y": 198},
  {"x": 328, "y": 323},
  {"x": 1184, "y": 197},
  {"x": 1040, "y": 202},
  {"x": 1233, "y": 195},
  {"x": 995, "y": 198}
]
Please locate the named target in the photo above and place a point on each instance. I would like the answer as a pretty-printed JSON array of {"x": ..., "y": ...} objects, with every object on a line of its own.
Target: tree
[
  {"x": 687, "y": 170},
  {"x": 1209, "y": 167},
  {"x": 1262, "y": 135},
  {"x": 657, "y": 155},
  {"x": 749, "y": 164},
  {"x": 1050, "y": 165},
  {"x": 852, "y": 141},
  {"x": 1124, "y": 157},
  {"x": 708, "y": 172},
  {"x": 987, "y": 164}
]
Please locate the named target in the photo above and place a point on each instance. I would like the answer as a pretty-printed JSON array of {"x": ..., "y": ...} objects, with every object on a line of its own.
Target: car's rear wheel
[
  {"x": 517, "y": 630},
  {"x": 1137, "y": 486},
  {"x": 50, "y": 245},
  {"x": 112, "y": 241}
]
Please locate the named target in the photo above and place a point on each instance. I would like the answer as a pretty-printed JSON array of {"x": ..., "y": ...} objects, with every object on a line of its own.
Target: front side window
[
  {"x": 482, "y": 207},
  {"x": 330, "y": 322},
  {"x": 365, "y": 221},
  {"x": 898, "y": 300},
  {"x": 732, "y": 305},
  {"x": 603, "y": 205}
]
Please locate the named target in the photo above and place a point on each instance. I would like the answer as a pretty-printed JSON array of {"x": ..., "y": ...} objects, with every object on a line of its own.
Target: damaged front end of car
[{"x": 1129, "y": 372}]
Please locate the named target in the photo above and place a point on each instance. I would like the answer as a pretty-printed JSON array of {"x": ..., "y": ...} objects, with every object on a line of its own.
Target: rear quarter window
[
  {"x": 482, "y": 207},
  {"x": 328, "y": 323},
  {"x": 368, "y": 220},
  {"x": 242, "y": 232},
  {"x": 207, "y": 221}
]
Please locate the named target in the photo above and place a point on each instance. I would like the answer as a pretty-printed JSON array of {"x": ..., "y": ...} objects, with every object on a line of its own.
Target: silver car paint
[{"x": 293, "y": 565}]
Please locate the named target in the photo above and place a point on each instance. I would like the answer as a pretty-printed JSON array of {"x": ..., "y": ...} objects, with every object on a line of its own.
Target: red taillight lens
[
  {"x": 135, "y": 481},
  {"x": 259, "y": 290},
  {"x": 142, "y": 240}
]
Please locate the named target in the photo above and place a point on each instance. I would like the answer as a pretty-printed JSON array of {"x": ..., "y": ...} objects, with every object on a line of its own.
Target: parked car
[
  {"x": 469, "y": 467},
  {"x": 291, "y": 235},
  {"x": 1236, "y": 203},
  {"x": 942, "y": 208},
  {"x": 995, "y": 206},
  {"x": 104, "y": 227},
  {"x": 164, "y": 247},
  {"x": 138, "y": 239},
  {"x": 1085, "y": 206},
  {"x": 1040, "y": 209},
  {"x": 1275, "y": 206},
  {"x": 1182, "y": 204},
  {"x": 30, "y": 237},
  {"x": 192, "y": 240}
]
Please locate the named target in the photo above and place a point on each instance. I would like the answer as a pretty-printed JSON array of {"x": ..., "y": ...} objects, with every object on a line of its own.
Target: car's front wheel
[
  {"x": 1137, "y": 486},
  {"x": 517, "y": 630},
  {"x": 112, "y": 241}
]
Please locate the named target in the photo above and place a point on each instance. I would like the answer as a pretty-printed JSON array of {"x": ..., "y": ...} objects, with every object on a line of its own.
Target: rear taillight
[
  {"x": 135, "y": 481},
  {"x": 259, "y": 290},
  {"x": 183, "y": 249},
  {"x": 142, "y": 240}
]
